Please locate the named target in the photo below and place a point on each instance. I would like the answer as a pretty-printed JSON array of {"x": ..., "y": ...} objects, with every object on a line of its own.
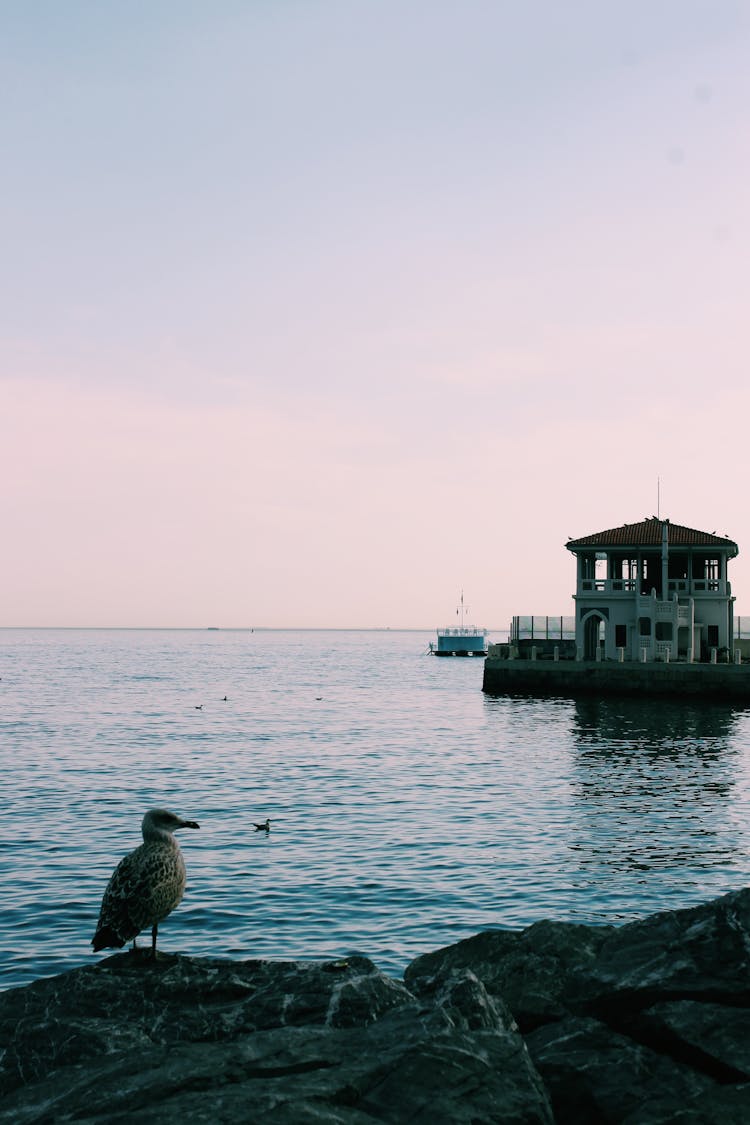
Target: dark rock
[
  {"x": 644, "y": 1024},
  {"x": 715, "y": 1037},
  {"x": 190, "y": 1040},
  {"x": 530, "y": 969},
  {"x": 699, "y": 953},
  {"x": 724, "y": 1105},
  {"x": 595, "y": 1076}
]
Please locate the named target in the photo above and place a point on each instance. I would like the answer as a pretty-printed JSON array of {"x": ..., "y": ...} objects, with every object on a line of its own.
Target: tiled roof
[{"x": 647, "y": 533}]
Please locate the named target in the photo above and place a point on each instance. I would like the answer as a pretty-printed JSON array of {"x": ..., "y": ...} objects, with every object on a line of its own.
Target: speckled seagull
[{"x": 145, "y": 886}]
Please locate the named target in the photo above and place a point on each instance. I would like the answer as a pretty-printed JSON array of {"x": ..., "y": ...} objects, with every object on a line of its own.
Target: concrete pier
[{"x": 726, "y": 682}]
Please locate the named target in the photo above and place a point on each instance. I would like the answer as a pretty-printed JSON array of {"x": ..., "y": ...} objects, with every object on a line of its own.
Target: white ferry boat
[{"x": 462, "y": 640}]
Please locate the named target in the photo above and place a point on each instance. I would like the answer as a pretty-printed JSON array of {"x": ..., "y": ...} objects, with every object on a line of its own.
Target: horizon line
[{"x": 256, "y": 628}]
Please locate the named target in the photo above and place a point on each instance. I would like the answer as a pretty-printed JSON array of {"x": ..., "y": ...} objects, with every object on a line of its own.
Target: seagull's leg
[
  {"x": 135, "y": 945},
  {"x": 153, "y": 940}
]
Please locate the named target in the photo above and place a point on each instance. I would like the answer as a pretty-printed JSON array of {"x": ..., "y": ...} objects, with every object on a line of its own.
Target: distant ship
[{"x": 465, "y": 640}]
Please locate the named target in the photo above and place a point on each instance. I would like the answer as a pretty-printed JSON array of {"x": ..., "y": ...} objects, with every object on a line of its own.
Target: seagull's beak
[{"x": 190, "y": 824}]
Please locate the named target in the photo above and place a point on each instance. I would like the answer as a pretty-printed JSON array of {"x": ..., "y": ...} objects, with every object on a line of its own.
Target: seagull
[
  {"x": 265, "y": 827},
  {"x": 145, "y": 886},
  {"x": 199, "y": 706}
]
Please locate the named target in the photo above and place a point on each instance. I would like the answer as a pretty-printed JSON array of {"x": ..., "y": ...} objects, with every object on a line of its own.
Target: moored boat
[{"x": 461, "y": 640}]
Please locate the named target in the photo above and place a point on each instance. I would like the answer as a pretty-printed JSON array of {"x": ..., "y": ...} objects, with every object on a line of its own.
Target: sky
[{"x": 319, "y": 312}]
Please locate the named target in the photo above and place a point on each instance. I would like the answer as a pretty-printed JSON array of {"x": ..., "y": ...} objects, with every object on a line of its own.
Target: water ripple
[{"x": 407, "y": 809}]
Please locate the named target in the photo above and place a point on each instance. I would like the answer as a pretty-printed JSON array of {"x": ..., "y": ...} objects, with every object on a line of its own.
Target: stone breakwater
[{"x": 642, "y": 1024}]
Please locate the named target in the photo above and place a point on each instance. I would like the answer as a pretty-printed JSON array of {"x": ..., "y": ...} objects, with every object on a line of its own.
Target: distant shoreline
[{"x": 228, "y": 628}]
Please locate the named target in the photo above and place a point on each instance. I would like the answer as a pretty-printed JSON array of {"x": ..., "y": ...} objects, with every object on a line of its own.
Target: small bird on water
[
  {"x": 264, "y": 827},
  {"x": 145, "y": 886}
]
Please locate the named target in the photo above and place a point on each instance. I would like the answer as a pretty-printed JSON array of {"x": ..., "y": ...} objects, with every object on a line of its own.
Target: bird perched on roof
[
  {"x": 264, "y": 827},
  {"x": 145, "y": 886}
]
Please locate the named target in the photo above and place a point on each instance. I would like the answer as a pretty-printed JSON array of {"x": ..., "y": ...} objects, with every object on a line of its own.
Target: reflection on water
[
  {"x": 653, "y": 720},
  {"x": 653, "y": 784}
]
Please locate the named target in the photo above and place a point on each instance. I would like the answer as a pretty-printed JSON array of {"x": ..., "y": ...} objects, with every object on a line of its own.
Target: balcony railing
[
  {"x": 468, "y": 631},
  {"x": 683, "y": 586},
  {"x": 608, "y": 585}
]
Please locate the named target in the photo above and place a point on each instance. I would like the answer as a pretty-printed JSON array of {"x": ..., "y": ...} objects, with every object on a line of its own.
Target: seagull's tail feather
[{"x": 107, "y": 938}]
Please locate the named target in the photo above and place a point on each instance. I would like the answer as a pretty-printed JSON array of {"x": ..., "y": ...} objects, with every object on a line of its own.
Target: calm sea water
[{"x": 408, "y": 810}]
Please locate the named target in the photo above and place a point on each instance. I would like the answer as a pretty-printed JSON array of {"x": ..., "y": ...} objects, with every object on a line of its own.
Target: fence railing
[
  {"x": 542, "y": 628},
  {"x": 549, "y": 628}
]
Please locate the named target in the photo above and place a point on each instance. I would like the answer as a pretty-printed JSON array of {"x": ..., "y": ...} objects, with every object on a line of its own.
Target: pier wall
[{"x": 587, "y": 677}]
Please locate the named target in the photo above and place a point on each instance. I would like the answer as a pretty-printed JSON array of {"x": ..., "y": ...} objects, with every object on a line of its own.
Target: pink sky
[{"x": 316, "y": 314}]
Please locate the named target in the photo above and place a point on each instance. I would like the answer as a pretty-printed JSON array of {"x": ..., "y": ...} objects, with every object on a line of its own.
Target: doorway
[{"x": 594, "y": 636}]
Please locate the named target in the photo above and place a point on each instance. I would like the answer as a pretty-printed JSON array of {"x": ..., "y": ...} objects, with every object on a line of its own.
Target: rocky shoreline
[{"x": 643, "y": 1024}]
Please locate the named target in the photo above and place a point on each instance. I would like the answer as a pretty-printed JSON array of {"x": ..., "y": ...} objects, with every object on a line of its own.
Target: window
[
  {"x": 664, "y": 630},
  {"x": 644, "y": 626},
  {"x": 621, "y": 636},
  {"x": 712, "y": 636},
  {"x": 678, "y": 566},
  {"x": 706, "y": 566}
]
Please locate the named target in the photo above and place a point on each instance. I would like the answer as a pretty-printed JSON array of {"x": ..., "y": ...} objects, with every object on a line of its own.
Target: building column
[
  {"x": 664, "y": 560},
  {"x": 691, "y": 625}
]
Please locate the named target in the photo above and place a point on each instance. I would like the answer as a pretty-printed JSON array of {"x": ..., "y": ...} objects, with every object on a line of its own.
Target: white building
[{"x": 653, "y": 591}]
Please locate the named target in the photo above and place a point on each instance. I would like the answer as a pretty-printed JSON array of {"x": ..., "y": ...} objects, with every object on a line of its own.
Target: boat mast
[{"x": 461, "y": 609}]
